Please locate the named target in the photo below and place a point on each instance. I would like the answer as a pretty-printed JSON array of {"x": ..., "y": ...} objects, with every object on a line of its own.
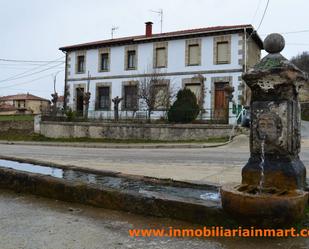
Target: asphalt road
[{"x": 219, "y": 165}]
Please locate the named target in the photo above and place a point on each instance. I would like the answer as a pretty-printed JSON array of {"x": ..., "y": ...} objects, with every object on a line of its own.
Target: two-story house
[
  {"x": 206, "y": 60},
  {"x": 23, "y": 104}
]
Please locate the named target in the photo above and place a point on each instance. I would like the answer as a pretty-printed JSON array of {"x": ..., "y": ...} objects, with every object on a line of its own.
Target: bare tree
[
  {"x": 155, "y": 91},
  {"x": 302, "y": 62}
]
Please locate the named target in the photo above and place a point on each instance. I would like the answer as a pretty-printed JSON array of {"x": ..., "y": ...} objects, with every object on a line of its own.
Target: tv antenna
[
  {"x": 113, "y": 29},
  {"x": 160, "y": 13}
]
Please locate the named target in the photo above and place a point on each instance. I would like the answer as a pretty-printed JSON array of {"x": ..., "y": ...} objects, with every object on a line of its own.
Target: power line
[
  {"x": 29, "y": 61},
  {"x": 32, "y": 69},
  {"x": 297, "y": 44},
  {"x": 257, "y": 8},
  {"x": 291, "y": 32},
  {"x": 5, "y": 67},
  {"x": 263, "y": 16},
  {"x": 18, "y": 84},
  {"x": 23, "y": 75},
  {"x": 32, "y": 90}
]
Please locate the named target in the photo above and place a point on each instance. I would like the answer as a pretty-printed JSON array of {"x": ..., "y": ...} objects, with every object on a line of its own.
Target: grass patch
[
  {"x": 15, "y": 136},
  {"x": 16, "y": 118}
]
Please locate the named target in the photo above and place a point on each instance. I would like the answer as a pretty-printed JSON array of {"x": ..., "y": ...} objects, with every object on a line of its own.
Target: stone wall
[
  {"x": 25, "y": 126},
  {"x": 164, "y": 132}
]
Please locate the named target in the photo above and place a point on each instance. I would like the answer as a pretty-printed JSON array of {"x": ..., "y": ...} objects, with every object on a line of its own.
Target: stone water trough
[
  {"x": 196, "y": 203},
  {"x": 273, "y": 181}
]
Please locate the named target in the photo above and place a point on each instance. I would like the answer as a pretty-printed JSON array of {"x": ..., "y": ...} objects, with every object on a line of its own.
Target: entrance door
[
  {"x": 221, "y": 111},
  {"x": 80, "y": 101}
]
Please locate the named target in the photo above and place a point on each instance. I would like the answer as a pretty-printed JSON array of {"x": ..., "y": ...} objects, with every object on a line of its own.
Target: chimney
[{"x": 148, "y": 29}]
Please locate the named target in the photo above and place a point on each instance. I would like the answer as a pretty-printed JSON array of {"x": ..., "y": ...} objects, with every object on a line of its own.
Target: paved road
[
  {"x": 34, "y": 223},
  {"x": 220, "y": 165}
]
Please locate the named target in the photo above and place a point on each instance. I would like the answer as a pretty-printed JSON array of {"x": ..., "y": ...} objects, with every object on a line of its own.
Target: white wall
[
  {"x": 176, "y": 63},
  {"x": 176, "y": 59}
]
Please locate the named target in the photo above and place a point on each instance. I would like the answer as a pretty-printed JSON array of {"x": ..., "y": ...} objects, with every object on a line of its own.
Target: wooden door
[{"x": 221, "y": 103}]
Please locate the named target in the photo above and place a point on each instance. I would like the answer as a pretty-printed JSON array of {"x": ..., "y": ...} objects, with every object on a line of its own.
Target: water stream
[
  {"x": 120, "y": 183},
  {"x": 261, "y": 183}
]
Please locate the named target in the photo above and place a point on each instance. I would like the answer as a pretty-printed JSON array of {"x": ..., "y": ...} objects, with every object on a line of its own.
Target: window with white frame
[
  {"x": 104, "y": 62},
  {"x": 103, "y": 101},
  {"x": 131, "y": 63},
  {"x": 80, "y": 63}
]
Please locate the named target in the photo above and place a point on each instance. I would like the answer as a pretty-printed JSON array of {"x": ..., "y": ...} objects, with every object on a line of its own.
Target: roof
[
  {"x": 7, "y": 107},
  {"x": 27, "y": 96},
  {"x": 167, "y": 35},
  {"x": 60, "y": 99}
]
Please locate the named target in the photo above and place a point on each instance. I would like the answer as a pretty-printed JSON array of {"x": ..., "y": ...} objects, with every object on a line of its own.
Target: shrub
[
  {"x": 185, "y": 109},
  {"x": 71, "y": 115}
]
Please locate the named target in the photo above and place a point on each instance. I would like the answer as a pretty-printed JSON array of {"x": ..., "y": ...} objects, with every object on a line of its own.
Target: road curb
[{"x": 118, "y": 146}]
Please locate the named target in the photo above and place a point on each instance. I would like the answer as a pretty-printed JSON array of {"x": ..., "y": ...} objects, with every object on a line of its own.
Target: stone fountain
[{"x": 272, "y": 189}]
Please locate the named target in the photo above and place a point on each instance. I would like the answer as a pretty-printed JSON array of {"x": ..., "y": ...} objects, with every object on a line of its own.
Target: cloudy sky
[{"x": 33, "y": 30}]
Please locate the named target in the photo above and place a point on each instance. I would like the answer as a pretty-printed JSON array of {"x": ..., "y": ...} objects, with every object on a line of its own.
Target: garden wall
[
  {"x": 24, "y": 126},
  {"x": 164, "y": 132}
]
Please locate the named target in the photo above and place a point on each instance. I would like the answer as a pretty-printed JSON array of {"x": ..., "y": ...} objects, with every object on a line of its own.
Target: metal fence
[{"x": 217, "y": 116}]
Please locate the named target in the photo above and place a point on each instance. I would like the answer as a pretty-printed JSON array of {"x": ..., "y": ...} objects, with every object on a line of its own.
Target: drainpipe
[
  {"x": 65, "y": 81},
  {"x": 245, "y": 66},
  {"x": 245, "y": 52}
]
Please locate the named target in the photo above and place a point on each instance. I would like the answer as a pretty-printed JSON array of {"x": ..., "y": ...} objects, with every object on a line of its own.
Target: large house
[
  {"x": 208, "y": 61},
  {"x": 23, "y": 104}
]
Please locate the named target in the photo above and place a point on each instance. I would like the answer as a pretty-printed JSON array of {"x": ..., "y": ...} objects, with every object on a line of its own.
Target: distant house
[
  {"x": 23, "y": 104},
  {"x": 6, "y": 109},
  {"x": 205, "y": 60},
  {"x": 60, "y": 102}
]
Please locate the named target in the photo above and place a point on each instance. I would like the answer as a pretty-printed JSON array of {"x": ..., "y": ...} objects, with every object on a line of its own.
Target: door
[
  {"x": 80, "y": 101},
  {"x": 221, "y": 112}
]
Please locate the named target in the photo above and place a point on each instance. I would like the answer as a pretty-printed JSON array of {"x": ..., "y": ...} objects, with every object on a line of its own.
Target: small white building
[{"x": 205, "y": 60}]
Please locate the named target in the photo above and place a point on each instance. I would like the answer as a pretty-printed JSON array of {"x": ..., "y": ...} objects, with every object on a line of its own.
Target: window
[
  {"x": 21, "y": 104},
  {"x": 81, "y": 64},
  {"x": 160, "y": 57},
  {"x": 103, "y": 101},
  {"x": 131, "y": 59},
  {"x": 130, "y": 97},
  {"x": 194, "y": 51},
  {"x": 195, "y": 88},
  {"x": 162, "y": 96},
  {"x": 160, "y": 54},
  {"x": 222, "y": 52},
  {"x": 104, "y": 62}
]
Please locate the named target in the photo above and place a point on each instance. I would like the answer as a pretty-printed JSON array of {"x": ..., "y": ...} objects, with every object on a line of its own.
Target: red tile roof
[
  {"x": 60, "y": 99},
  {"x": 173, "y": 34},
  {"x": 27, "y": 96},
  {"x": 6, "y": 107}
]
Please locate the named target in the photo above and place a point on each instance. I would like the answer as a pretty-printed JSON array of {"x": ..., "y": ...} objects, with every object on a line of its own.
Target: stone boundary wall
[
  {"x": 164, "y": 132},
  {"x": 25, "y": 126}
]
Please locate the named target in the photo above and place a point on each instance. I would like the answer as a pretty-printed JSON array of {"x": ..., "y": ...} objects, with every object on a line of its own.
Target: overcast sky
[{"x": 35, "y": 29}]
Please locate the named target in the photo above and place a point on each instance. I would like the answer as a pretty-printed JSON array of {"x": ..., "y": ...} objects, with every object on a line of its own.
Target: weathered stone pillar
[{"x": 275, "y": 119}]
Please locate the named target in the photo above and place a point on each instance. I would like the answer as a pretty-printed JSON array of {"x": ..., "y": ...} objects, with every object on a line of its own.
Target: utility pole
[
  {"x": 160, "y": 13},
  {"x": 55, "y": 95}
]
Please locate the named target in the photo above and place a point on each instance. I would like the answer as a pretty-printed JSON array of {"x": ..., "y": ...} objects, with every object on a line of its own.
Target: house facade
[
  {"x": 23, "y": 104},
  {"x": 208, "y": 61}
]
